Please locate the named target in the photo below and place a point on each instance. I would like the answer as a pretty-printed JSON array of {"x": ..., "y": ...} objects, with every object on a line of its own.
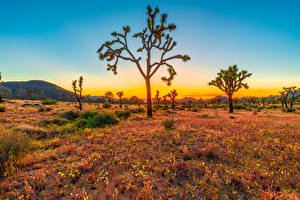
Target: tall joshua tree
[
  {"x": 173, "y": 94},
  {"x": 230, "y": 81},
  {"x": 109, "y": 95},
  {"x": 154, "y": 37},
  {"x": 120, "y": 95},
  {"x": 78, "y": 91},
  {"x": 157, "y": 98}
]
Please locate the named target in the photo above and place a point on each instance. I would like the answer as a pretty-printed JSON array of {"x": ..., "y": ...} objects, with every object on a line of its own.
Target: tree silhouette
[
  {"x": 283, "y": 98},
  {"x": 109, "y": 95},
  {"x": 157, "y": 99},
  {"x": 292, "y": 91},
  {"x": 28, "y": 93},
  {"x": 154, "y": 37},
  {"x": 173, "y": 94},
  {"x": 165, "y": 97},
  {"x": 230, "y": 81},
  {"x": 78, "y": 91},
  {"x": 120, "y": 95}
]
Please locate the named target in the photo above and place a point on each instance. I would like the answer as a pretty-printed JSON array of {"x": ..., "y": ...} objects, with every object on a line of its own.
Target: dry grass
[{"x": 208, "y": 155}]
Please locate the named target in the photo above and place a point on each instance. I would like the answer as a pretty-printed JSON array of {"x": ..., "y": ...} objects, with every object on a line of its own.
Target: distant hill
[{"x": 51, "y": 91}]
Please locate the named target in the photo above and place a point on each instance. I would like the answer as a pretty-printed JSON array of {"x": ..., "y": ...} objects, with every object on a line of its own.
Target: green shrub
[
  {"x": 13, "y": 147},
  {"x": 41, "y": 109},
  {"x": 2, "y": 109},
  {"x": 106, "y": 105},
  {"x": 137, "y": 110},
  {"x": 49, "y": 102},
  {"x": 122, "y": 114},
  {"x": 168, "y": 124},
  {"x": 69, "y": 115},
  {"x": 48, "y": 109},
  {"x": 239, "y": 106},
  {"x": 94, "y": 119},
  {"x": 195, "y": 110}
]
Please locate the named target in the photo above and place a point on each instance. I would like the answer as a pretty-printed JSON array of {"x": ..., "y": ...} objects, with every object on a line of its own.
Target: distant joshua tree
[
  {"x": 189, "y": 104},
  {"x": 263, "y": 100},
  {"x": 292, "y": 91},
  {"x": 28, "y": 93},
  {"x": 283, "y": 98},
  {"x": 154, "y": 37},
  {"x": 157, "y": 99},
  {"x": 173, "y": 94},
  {"x": 10, "y": 93},
  {"x": 230, "y": 81},
  {"x": 78, "y": 91},
  {"x": 135, "y": 100},
  {"x": 18, "y": 96},
  {"x": 165, "y": 97},
  {"x": 120, "y": 95},
  {"x": 109, "y": 95}
]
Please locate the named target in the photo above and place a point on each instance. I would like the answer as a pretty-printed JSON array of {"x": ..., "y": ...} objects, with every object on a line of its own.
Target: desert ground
[{"x": 208, "y": 154}]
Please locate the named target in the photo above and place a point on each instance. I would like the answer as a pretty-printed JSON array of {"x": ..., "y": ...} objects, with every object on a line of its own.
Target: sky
[{"x": 56, "y": 41}]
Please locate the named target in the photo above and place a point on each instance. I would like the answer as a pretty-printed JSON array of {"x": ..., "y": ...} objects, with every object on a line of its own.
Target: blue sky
[{"x": 57, "y": 41}]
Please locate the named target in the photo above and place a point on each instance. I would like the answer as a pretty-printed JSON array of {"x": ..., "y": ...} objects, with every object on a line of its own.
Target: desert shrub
[
  {"x": 33, "y": 131},
  {"x": 58, "y": 122},
  {"x": 48, "y": 109},
  {"x": 255, "y": 111},
  {"x": 41, "y": 109},
  {"x": 168, "y": 124},
  {"x": 2, "y": 109},
  {"x": 239, "y": 106},
  {"x": 273, "y": 107},
  {"x": 137, "y": 110},
  {"x": 49, "y": 102},
  {"x": 123, "y": 114},
  {"x": 101, "y": 120},
  {"x": 94, "y": 119},
  {"x": 195, "y": 110},
  {"x": 13, "y": 147},
  {"x": 180, "y": 108},
  {"x": 106, "y": 105},
  {"x": 69, "y": 115},
  {"x": 289, "y": 110}
]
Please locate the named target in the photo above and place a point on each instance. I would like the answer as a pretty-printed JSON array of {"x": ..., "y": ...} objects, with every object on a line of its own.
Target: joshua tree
[
  {"x": 230, "y": 81},
  {"x": 18, "y": 96},
  {"x": 157, "y": 98},
  {"x": 263, "y": 100},
  {"x": 173, "y": 94},
  {"x": 120, "y": 95},
  {"x": 29, "y": 93},
  {"x": 165, "y": 97},
  {"x": 283, "y": 98},
  {"x": 135, "y": 100},
  {"x": 154, "y": 37},
  {"x": 78, "y": 91},
  {"x": 10, "y": 94},
  {"x": 189, "y": 104},
  {"x": 293, "y": 92},
  {"x": 109, "y": 95}
]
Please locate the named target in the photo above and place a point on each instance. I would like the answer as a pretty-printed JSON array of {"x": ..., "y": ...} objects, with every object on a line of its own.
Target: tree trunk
[
  {"x": 80, "y": 106},
  {"x": 149, "y": 101},
  {"x": 285, "y": 103},
  {"x": 230, "y": 103},
  {"x": 173, "y": 104},
  {"x": 1, "y": 98},
  {"x": 120, "y": 103}
]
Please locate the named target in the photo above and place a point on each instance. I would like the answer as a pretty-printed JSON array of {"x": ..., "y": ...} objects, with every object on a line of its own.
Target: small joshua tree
[
  {"x": 109, "y": 95},
  {"x": 29, "y": 93},
  {"x": 230, "y": 81},
  {"x": 173, "y": 94},
  {"x": 157, "y": 99},
  {"x": 154, "y": 37},
  {"x": 292, "y": 91},
  {"x": 78, "y": 91},
  {"x": 120, "y": 95},
  {"x": 165, "y": 97}
]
